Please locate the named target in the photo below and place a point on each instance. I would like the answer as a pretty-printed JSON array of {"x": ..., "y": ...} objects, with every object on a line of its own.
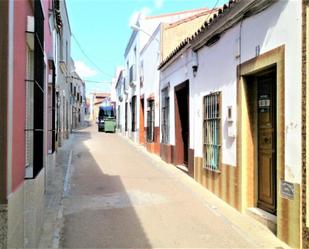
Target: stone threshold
[{"x": 267, "y": 219}]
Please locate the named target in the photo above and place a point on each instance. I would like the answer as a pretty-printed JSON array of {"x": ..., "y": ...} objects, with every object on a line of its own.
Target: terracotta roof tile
[
  {"x": 177, "y": 13},
  {"x": 207, "y": 24},
  {"x": 190, "y": 18}
]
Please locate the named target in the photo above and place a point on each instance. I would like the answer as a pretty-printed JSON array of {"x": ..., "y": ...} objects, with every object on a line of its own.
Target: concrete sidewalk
[
  {"x": 57, "y": 166},
  {"x": 258, "y": 235}
]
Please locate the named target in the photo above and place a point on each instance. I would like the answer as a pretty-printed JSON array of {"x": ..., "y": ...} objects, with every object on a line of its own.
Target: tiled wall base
[
  {"x": 3, "y": 226},
  {"x": 25, "y": 213}
]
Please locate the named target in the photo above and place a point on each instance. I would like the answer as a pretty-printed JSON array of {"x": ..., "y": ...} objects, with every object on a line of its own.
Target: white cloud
[
  {"x": 158, "y": 3},
  {"x": 83, "y": 70},
  {"x": 138, "y": 13}
]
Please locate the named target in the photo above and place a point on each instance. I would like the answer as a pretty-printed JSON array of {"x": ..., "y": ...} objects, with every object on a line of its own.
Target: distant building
[
  {"x": 122, "y": 126},
  {"x": 97, "y": 100},
  {"x": 64, "y": 69},
  {"x": 78, "y": 101},
  {"x": 142, "y": 96}
]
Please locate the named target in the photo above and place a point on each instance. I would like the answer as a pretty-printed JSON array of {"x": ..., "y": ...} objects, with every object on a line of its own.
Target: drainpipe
[{"x": 4, "y": 10}]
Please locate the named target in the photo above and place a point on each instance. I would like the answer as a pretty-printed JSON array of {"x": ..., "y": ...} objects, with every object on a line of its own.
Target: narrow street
[{"x": 119, "y": 196}]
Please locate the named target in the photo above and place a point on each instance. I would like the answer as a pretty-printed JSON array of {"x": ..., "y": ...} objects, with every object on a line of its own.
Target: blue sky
[{"x": 101, "y": 27}]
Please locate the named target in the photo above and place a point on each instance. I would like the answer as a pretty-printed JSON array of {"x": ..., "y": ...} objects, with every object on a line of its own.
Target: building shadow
[{"x": 98, "y": 209}]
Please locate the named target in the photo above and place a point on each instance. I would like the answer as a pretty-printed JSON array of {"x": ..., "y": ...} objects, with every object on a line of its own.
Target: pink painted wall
[
  {"x": 22, "y": 9},
  {"x": 47, "y": 4}
]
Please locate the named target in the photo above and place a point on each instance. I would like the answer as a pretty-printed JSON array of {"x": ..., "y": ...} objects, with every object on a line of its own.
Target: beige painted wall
[{"x": 175, "y": 33}]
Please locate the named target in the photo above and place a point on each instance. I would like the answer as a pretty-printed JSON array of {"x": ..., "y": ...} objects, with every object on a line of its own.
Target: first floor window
[
  {"x": 165, "y": 102},
  {"x": 150, "y": 120},
  {"x": 212, "y": 131}
]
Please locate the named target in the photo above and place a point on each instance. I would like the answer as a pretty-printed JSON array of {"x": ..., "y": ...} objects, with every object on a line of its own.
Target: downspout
[
  {"x": 4, "y": 9},
  {"x": 10, "y": 96}
]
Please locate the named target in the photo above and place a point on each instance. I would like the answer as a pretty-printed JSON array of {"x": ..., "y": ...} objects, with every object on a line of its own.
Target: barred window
[
  {"x": 150, "y": 120},
  {"x": 212, "y": 131},
  {"x": 29, "y": 129},
  {"x": 165, "y": 115}
]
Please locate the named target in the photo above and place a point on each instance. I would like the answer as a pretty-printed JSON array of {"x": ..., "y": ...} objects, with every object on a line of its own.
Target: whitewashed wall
[
  {"x": 276, "y": 26},
  {"x": 177, "y": 73},
  {"x": 150, "y": 56},
  {"x": 130, "y": 59}
]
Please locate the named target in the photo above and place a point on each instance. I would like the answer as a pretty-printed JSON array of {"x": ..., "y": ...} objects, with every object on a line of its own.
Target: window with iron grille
[
  {"x": 150, "y": 121},
  {"x": 165, "y": 101},
  {"x": 212, "y": 131},
  {"x": 133, "y": 111},
  {"x": 29, "y": 129},
  {"x": 34, "y": 130}
]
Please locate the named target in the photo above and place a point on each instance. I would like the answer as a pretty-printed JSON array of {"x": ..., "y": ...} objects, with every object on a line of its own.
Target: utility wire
[
  {"x": 85, "y": 54},
  {"x": 98, "y": 82},
  {"x": 91, "y": 81}
]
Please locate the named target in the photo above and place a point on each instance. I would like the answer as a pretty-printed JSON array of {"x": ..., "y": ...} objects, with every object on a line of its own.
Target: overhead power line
[
  {"x": 98, "y": 82},
  {"x": 91, "y": 81},
  {"x": 90, "y": 60}
]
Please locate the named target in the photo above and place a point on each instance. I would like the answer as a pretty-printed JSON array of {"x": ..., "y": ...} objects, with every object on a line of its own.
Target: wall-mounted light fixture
[{"x": 194, "y": 63}]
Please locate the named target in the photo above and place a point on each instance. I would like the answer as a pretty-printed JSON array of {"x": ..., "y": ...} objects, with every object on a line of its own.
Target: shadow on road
[{"x": 98, "y": 212}]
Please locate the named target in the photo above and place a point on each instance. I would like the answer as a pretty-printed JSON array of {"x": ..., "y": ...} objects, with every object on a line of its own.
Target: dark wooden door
[
  {"x": 182, "y": 120},
  {"x": 266, "y": 97}
]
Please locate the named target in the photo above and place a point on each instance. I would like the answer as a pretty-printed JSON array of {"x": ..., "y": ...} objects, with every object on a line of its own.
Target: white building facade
[{"x": 237, "y": 83}]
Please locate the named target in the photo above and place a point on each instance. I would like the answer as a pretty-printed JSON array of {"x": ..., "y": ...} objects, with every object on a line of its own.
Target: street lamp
[{"x": 137, "y": 28}]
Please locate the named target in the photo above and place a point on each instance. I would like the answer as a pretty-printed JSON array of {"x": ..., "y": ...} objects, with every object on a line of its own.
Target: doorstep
[
  {"x": 183, "y": 167},
  {"x": 267, "y": 219}
]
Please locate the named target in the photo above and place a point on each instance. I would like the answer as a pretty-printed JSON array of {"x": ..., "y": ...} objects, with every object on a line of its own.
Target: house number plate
[
  {"x": 287, "y": 190},
  {"x": 264, "y": 103}
]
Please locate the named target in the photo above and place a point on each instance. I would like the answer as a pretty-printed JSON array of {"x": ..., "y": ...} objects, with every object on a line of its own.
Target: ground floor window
[
  {"x": 29, "y": 122},
  {"x": 212, "y": 131},
  {"x": 165, "y": 103},
  {"x": 150, "y": 120}
]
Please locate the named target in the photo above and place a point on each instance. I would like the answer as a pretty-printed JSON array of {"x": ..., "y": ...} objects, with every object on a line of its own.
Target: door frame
[
  {"x": 246, "y": 149},
  {"x": 253, "y": 86},
  {"x": 179, "y": 152}
]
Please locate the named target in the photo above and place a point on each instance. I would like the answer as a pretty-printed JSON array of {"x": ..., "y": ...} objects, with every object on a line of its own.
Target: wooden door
[
  {"x": 266, "y": 97},
  {"x": 182, "y": 123}
]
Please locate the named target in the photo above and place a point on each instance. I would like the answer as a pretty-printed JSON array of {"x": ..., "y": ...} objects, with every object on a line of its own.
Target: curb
[{"x": 59, "y": 220}]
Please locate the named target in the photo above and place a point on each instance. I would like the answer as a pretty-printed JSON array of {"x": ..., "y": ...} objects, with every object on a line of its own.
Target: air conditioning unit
[{"x": 30, "y": 32}]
